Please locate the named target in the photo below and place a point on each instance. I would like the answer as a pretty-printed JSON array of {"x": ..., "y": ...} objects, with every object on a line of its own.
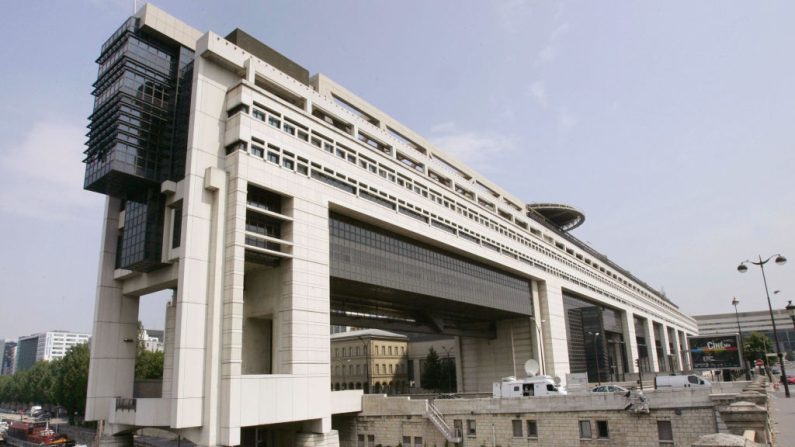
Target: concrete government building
[{"x": 275, "y": 204}]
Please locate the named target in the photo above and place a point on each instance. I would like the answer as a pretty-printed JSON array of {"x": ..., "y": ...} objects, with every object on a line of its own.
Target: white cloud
[
  {"x": 538, "y": 92},
  {"x": 565, "y": 119},
  {"x": 514, "y": 15},
  {"x": 43, "y": 175},
  {"x": 476, "y": 149}
]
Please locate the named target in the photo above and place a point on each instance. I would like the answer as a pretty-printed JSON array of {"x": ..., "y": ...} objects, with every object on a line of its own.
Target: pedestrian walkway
[{"x": 783, "y": 418}]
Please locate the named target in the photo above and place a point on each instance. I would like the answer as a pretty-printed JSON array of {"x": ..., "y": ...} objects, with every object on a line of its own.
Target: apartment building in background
[
  {"x": 8, "y": 351},
  {"x": 46, "y": 346}
]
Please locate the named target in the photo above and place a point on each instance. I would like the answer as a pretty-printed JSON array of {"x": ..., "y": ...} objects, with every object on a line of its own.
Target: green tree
[
  {"x": 431, "y": 378},
  {"x": 71, "y": 380},
  {"x": 756, "y": 345},
  {"x": 447, "y": 375},
  {"x": 39, "y": 383},
  {"x": 148, "y": 365}
]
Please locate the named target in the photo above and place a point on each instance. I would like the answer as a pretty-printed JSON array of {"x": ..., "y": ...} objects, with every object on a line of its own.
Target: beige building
[{"x": 369, "y": 359}]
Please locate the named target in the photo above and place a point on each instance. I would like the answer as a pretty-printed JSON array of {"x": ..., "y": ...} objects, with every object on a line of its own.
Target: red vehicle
[
  {"x": 37, "y": 433},
  {"x": 791, "y": 380}
]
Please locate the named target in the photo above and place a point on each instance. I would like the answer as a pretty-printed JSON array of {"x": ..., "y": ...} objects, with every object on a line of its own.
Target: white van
[
  {"x": 688, "y": 381},
  {"x": 528, "y": 387}
]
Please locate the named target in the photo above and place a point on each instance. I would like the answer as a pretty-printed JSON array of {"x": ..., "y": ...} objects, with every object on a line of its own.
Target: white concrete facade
[{"x": 319, "y": 156}]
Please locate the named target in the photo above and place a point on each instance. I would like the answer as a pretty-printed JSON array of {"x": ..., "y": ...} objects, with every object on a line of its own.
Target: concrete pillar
[
  {"x": 686, "y": 352},
  {"x": 554, "y": 334},
  {"x": 115, "y": 334},
  {"x": 677, "y": 351},
  {"x": 651, "y": 344},
  {"x": 488, "y": 360},
  {"x": 630, "y": 341},
  {"x": 232, "y": 313},
  {"x": 665, "y": 349},
  {"x": 459, "y": 370},
  {"x": 168, "y": 348},
  {"x": 537, "y": 333}
]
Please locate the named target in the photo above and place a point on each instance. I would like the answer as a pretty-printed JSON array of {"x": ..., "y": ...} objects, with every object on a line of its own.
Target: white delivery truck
[
  {"x": 528, "y": 387},
  {"x": 686, "y": 381}
]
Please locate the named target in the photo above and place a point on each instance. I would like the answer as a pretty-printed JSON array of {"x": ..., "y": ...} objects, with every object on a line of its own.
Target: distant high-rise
[
  {"x": 8, "y": 350},
  {"x": 46, "y": 346}
]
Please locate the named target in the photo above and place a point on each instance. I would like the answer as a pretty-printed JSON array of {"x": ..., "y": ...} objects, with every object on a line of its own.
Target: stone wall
[{"x": 390, "y": 421}]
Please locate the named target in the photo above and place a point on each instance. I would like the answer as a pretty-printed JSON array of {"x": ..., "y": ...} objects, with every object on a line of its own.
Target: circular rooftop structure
[{"x": 562, "y": 216}]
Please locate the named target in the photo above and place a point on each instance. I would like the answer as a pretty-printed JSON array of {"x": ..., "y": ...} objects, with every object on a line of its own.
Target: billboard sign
[{"x": 715, "y": 352}]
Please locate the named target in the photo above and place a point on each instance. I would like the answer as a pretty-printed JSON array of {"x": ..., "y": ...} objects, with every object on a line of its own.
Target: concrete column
[
  {"x": 233, "y": 286},
  {"x": 685, "y": 351},
  {"x": 168, "y": 348},
  {"x": 630, "y": 341},
  {"x": 459, "y": 370},
  {"x": 677, "y": 351},
  {"x": 554, "y": 334},
  {"x": 651, "y": 344},
  {"x": 488, "y": 360},
  {"x": 537, "y": 333},
  {"x": 303, "y": 314},
  {"x": 665, "y": 348},
  {"x": 115, "y": 334}
]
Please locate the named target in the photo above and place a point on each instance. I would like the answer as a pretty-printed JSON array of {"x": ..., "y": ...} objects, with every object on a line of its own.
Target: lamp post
[
  {"x": 367, "y": 366},
  {"x": 541, "y": 344},
  {"x": 735, "y": 302},
  {"x": 596, "y": 354},
  {"x": 742, "y": 268}
]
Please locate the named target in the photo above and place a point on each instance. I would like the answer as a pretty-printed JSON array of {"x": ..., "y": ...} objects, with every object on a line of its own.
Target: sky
[{"x": 669, "y": 124}]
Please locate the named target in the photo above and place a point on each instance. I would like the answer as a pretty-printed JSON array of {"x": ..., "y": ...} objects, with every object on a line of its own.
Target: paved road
[{"x": 783, "y": 417}]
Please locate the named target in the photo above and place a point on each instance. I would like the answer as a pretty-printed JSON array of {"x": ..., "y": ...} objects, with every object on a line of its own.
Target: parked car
[
  {"x": 775, "y": 370},
  {"x": 609, "y": 389},
  {"x": 791, "y": 379}
]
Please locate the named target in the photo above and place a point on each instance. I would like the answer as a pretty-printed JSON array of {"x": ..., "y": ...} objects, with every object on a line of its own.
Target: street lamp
[
  {"x": 742, "y": 268},
  {"x": 367, "y": 365},
  {"x": 541, "y": 343},
  {"x": 735, "y": 302},
  {"x": 596, "y": 354}
]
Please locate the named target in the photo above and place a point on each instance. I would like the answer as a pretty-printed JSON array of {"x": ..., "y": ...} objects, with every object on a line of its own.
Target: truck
[
  {"x": 511, "y": 387},
  {"x": 684, "y": 381}
]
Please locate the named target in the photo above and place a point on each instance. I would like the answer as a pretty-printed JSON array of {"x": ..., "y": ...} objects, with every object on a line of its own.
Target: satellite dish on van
[{"x": 531, "y": 367}]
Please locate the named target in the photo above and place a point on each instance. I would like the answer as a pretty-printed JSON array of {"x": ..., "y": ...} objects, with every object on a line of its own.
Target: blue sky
[{"x": 670, "y": 124}]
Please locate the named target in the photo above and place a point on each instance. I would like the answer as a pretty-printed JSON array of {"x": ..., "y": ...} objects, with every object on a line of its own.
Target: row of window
[
  {"x": 600, "y": 428},
  {"x": 310, "y": 136},
  {"x": 333, "y": 181},
  {"x": 385, "y": 149},
  {"x": 397, "y": 368},
  {"x": 406, "y": 441},
  {"x": 385, "y": 350}
]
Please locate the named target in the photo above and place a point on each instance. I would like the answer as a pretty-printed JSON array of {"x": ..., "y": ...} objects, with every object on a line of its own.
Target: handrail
[{"x": 436, "y": 417}]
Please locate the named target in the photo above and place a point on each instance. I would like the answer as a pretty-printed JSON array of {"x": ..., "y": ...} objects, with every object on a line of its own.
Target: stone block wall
[{"x": 553, "y": 428}]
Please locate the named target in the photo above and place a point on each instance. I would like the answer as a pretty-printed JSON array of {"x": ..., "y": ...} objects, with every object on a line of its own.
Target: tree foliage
[
  {"x": 148, "y": 365},
  {"x": 438, "y": 373},
  {"x": 72, "y": 383},
  {"x": 65, "y": 381},
  {"x": 756, "y": 345}
]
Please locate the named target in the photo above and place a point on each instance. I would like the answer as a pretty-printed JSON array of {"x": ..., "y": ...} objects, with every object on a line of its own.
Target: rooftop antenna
[{"x": 135, "y": 6}]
